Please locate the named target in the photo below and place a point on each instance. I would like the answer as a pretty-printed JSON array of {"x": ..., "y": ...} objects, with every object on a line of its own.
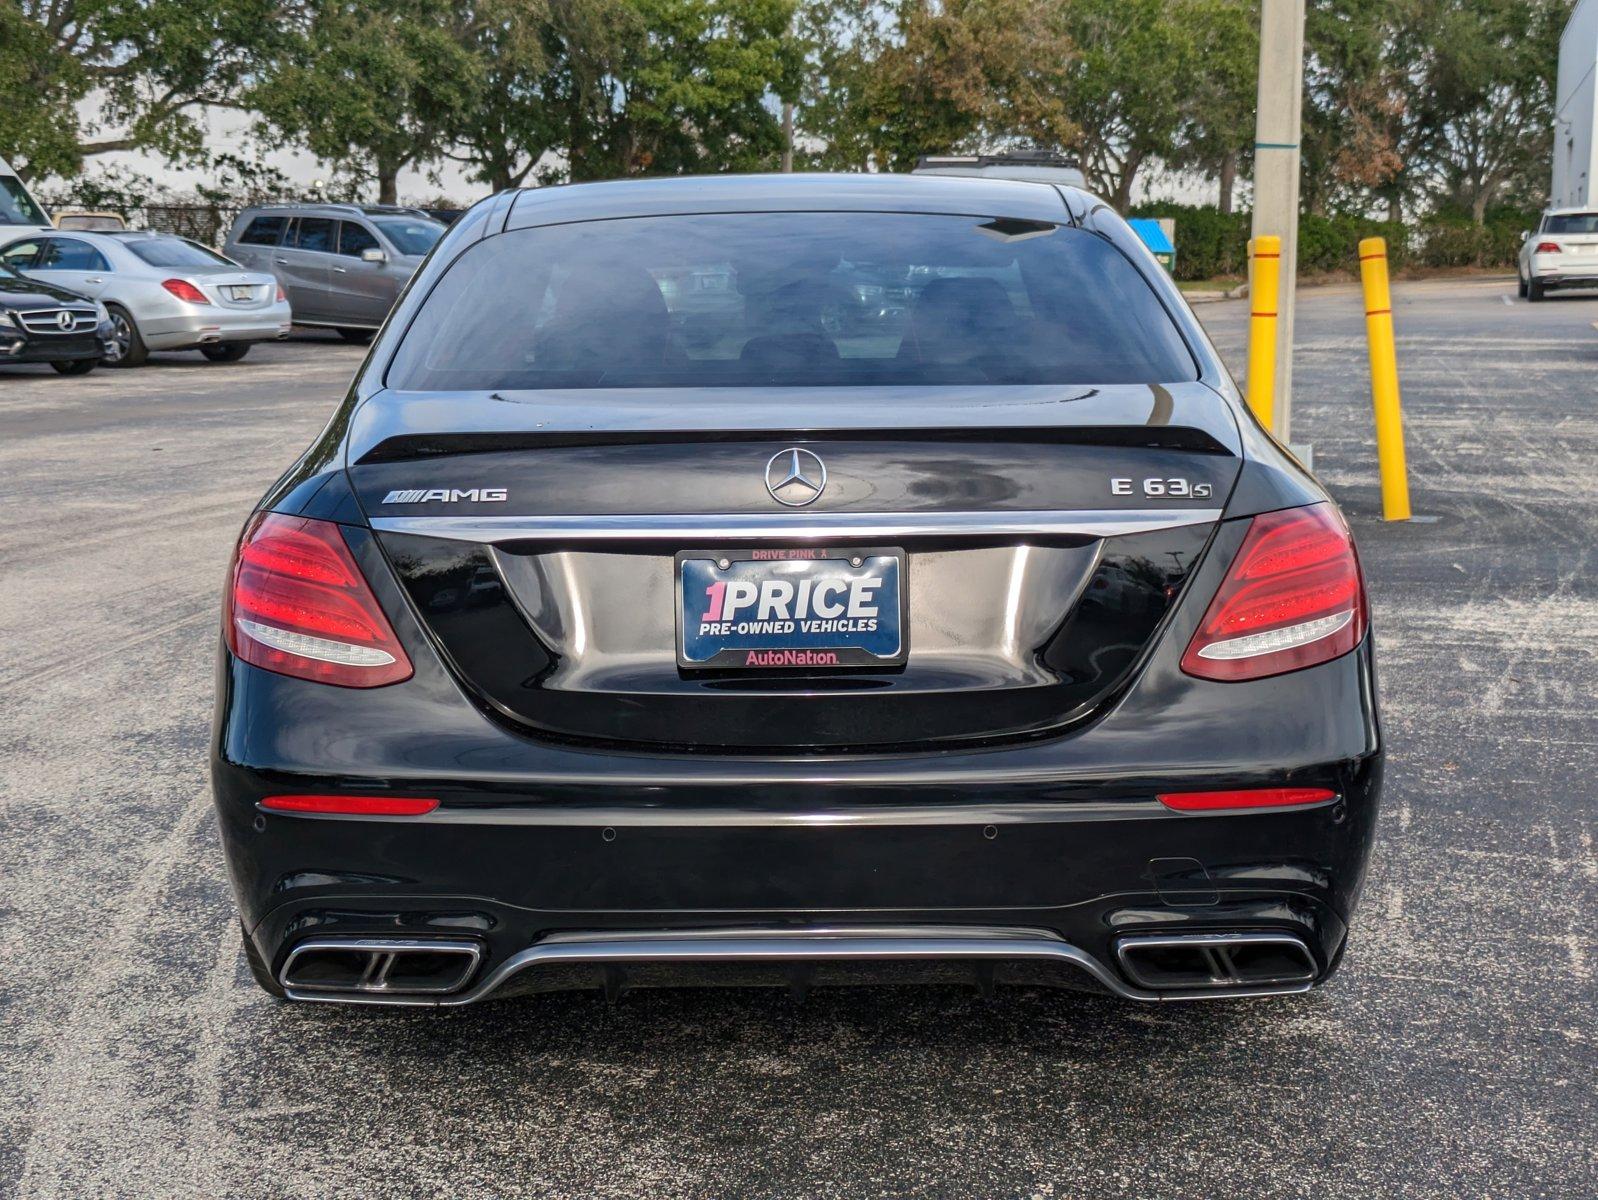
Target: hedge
[{"x": 1210, "y": 243}]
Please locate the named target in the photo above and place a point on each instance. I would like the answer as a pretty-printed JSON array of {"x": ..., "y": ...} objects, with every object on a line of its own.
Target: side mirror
[
  {"x": 1525, "y": 235},
  {"x": 373, "y": 255}
]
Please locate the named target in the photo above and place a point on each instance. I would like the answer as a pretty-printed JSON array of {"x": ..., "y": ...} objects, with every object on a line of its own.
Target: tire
[
  {"x": 1534, "y": 291},
  {"x": 130, "y": 348},
  {"x": 358, "y": 337},
  {"x": 1520, "y": 286},
  {"x": 77, "y": 366},
  {"x": 226, "y": 351},
  {"x": 259, "y": 971}
]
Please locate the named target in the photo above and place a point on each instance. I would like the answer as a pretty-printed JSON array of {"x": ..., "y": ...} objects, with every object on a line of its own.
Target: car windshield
[
  {"x": 16, "y": 206},
  {"x": 176, "y": 252},
  {"x": 410, "y": 235},
  {"x": 791, "y": 299},
  {"x": 1571, "y": 223}
]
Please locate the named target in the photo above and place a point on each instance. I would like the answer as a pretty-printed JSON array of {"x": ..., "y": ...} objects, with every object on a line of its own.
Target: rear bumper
[
  {"x": 211, "y": 324},
  {"x": 516, "y": 875}
]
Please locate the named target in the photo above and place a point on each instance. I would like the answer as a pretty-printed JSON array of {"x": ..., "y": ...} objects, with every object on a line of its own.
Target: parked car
[
  {"x": 578, "y": 651},
  {"x": 19, "y": 211},
  {"x": 342, "y": 265},
  {"x": 96, "y": 222},
  {"x": 162, "y": 292},
  {"x": 42, "y": 323},
  {"x": 1561, "y": 253}
]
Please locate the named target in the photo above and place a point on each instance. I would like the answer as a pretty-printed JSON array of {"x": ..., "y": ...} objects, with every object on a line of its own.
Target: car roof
[
  {"x": 337, "y": 210},
  {"x": 1570, "y": 209},
  {"x": 799, "y": 192}
]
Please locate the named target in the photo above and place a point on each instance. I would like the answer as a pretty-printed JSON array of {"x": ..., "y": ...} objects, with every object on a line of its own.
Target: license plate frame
[
  {"x": 823, "y": 649},
  {"x": 240, "y": 293}
]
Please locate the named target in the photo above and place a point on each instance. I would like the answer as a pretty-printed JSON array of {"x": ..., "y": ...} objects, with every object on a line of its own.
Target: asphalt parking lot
[{"x": 1455, "y": 1055}]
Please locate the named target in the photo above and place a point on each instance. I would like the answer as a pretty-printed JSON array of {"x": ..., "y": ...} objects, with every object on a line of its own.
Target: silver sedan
[{"x": 161, "y": 292}]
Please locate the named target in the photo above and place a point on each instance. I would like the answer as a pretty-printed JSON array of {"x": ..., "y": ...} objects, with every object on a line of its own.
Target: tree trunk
[
  {"x": 387, "y": 182},
  {"x": 1228, "y": 180},
  {"x": 1122, "y": 200},
  {"x": 787, "y": 138},
  {"x": 1478, "y": 206}
]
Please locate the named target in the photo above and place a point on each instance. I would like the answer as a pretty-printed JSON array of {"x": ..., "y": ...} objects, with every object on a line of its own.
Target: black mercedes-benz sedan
[
  {"x": 794, "y": 580},
  {"x": 43, "y": 323}
]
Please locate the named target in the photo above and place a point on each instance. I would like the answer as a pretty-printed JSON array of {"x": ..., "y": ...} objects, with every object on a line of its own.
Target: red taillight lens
[
  {"x": 1244, "y": 798},
  {"x": 281, "y": 294},
  {"x": 352, "y": 806},
  {"x": 297, "y": 604},
  {"x": 185, "y": 291},
  {"x": 1548, "y": 248},
  {"x": 1293, "y": 598}
]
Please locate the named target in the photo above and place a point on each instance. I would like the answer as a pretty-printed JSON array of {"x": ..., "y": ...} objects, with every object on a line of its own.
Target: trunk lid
[{"x": 1041, "y": 541}]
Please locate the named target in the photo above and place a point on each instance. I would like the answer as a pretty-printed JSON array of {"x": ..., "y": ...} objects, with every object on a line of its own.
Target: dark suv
[{"x": 342, "y": 265}]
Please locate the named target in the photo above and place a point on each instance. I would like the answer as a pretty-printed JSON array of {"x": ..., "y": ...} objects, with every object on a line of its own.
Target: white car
[
  {"x": 162, "y": 292},
  {"x": 1562, "y": 253}
]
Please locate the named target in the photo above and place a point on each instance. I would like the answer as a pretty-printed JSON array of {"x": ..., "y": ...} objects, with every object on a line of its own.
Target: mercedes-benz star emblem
[
  {"x": 65, "y": 319},
  {"x": 795, "y": 477}
]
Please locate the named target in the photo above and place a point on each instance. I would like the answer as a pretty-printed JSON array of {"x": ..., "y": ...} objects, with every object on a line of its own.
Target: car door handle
[
  {"x": 341, "y": 270},
  {"x": 94, "y": 279},
  {"x": 282, "y": 262}
]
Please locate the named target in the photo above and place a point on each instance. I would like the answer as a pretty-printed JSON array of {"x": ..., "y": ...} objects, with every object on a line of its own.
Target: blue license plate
[{"x": 790, "y": 609}]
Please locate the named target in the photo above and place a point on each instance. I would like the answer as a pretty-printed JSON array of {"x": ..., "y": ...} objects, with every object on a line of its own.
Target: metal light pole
[{"x": 1276, "y": 136}]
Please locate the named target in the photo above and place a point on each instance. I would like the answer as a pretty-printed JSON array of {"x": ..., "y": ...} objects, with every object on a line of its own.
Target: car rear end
[
  {"x": 783, "y": 641},
  {"x": 1564, "y": 252},
  {"x": 190, "y": 297}
]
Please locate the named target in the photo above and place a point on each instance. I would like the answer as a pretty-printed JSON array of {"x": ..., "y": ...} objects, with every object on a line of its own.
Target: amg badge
[{"x": 423, "y": 495}]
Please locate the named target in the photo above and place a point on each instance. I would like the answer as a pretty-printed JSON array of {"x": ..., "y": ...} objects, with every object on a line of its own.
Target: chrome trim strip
[
  {"x": 973, "y": 816},
  {"x": 845, "y": 943},
  {"x": 715, "y": 528}
]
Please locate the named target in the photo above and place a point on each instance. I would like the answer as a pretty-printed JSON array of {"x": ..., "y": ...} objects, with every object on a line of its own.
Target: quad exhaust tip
[
  {"x": 378, "y": 967},
  {"x": 1183, "y": 962}
]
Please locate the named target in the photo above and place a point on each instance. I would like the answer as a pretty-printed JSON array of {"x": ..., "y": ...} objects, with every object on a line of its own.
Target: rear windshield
[
  {"x": 176, "y": 252},
  {"x": 410, "y": 236},
  {"x": 790, "y": 299},
  {"x": 1571, "y": 223}
]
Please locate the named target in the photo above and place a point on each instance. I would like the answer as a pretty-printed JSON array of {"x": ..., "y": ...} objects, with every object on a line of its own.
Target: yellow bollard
[
  {"x": 1384, "y": 379},
  {"x": 1264, "y": 290}
]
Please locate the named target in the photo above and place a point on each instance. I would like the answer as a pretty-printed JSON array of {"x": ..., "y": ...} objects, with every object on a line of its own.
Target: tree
[
  {"x": 370, "y": 86},
  {"x": 1128, "y": 87},
  {"x": 148, "y": 64},
  {"x": 1217, "y": 129},
  {"x": 930, "y": 78}
]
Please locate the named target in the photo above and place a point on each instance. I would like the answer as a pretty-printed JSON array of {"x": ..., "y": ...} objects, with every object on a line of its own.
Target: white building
[{"x": 1575, "y": 103}]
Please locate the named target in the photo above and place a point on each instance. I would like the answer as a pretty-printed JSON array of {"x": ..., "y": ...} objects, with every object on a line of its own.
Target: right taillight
[
  {"x": 1292, "y": 598},
  {"x": 1548, "y": 248},
  {"x": 298, "y": 604}
]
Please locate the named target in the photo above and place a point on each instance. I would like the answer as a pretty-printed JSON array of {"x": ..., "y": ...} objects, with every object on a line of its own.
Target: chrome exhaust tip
[
  {"x": 1183, "y": 962},
  {"x": 379, "y": 967}
]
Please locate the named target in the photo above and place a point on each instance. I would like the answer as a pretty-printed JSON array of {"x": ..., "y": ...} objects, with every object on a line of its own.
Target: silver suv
[{"x": 342, "y": 265}]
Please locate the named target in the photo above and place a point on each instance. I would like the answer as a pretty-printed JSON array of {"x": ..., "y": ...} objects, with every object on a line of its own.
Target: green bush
[{"x": 1210, "y": 243}]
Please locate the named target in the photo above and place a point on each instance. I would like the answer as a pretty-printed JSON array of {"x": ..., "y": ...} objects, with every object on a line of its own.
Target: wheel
[
  {"x": 1534, "y": 291},
  {"x": 226, "y": 351},
  {"x": 127, "y": 347},
  {"x": 77, "y": 366},
  {"x": 259, "y": 971},
  {"x": 358, "y": 336},
  {"x": 1520, "y": 286}
]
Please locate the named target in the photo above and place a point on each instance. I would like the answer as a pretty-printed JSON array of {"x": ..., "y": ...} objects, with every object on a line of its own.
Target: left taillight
[
  {"x": 281, "y": 294},
  {"x": 297, "y": 604},
  {"x": 1293, "y": 598},
  {"x": 185, "y": 291}
]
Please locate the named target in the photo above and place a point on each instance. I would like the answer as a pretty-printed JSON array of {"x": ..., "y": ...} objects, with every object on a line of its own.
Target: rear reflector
[
  {"x": 297, "y": 604},
  {"x": 1244, "y": 798},
  {"x": 352, "y": 806},
  {"x": 1293, "y": 598},
  {"x": 1548, "y": 248}
]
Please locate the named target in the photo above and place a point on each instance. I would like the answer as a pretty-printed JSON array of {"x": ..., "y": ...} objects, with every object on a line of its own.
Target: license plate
[
  {"x": 239, "y": 293},
  {"x": 790, "y": 609}
]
